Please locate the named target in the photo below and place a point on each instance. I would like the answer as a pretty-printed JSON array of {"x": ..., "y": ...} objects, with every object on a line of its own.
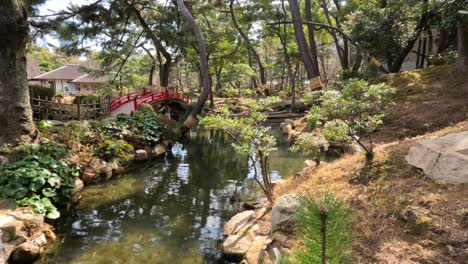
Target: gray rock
[
  {"x": 445, "y": 159},
  {"x": 106, "y": 171},
  {"x": 289, "y": 122},
  {"x": 158, "y": 150},
  {"x": 10, "y": 227},
  {"x": 256, "y": 251},
  {"x": 141, "y": 154},
  {"x": 282, "y": 213},
  {"x": 238, "y": 221},
  {"x": 79, "y": 185},
  {"x": 3, "y": 160},
  {"x": 235, "y": 247},
  {"x": 26, "y": 253},
  {"x": 287, "y": 129}
]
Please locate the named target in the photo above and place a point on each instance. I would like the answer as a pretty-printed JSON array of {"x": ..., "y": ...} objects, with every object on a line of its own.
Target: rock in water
[
  {"x": 238, "y": 221},
  {"x": 257, "y": 250},
  {"x": 282, "y": 213},
  {"x": 445, "y": 159},
  {"x": 235, "y": 247},
  {"x": 141, "y": 154}
]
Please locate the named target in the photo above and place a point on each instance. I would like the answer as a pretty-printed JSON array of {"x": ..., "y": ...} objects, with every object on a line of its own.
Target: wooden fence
[{"x": 45, "y": 108}]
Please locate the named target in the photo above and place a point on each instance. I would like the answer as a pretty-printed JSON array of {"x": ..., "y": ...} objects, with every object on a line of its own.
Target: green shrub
[
  {"x": 310, "y": 145},
  {"x": 85, "y": 99},
  {"x": 41, "y": 91},
  {"x": 112, "y": 149},
  {"x": 144, "y": 123},
  {"x": 447, "y": 57},
  {"x": 40, "y": 180},
  {"x": 324, "y": 229}
]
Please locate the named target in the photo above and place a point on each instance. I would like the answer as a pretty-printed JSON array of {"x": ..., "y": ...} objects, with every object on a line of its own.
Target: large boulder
[
  {"x": 256, "y": 252},
  {"x": 282, "y": 213},
  {"x": 10, "y": 227},
  {"x": 141, "y": 154},
  {"x": 238, "y": 222},
  {"x": 445, "y": 159},
  {"x": 29, "y": 251},
  {"x": 236, "y": 246}
]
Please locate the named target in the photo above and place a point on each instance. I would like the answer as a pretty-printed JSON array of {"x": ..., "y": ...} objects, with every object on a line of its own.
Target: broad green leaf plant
[{"x": 250, "y": 136}]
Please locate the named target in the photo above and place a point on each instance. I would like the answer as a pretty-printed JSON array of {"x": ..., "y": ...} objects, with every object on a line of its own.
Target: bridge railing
[{"x": 147, "y": 97}]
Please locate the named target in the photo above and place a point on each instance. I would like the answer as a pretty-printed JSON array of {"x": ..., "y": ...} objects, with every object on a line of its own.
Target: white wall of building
[{"x": 64, "y": 87}]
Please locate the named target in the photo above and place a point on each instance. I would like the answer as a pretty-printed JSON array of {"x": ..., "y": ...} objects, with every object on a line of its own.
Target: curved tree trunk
[
  {"x": 311, "y": 31},
  {"x": 15, "y": 109},
  {"x": 204, "y": 71},
  {"x": 166, "y": 67},
  {"x": 251, "y": 49},
  {"x": 301, "y": 41}
]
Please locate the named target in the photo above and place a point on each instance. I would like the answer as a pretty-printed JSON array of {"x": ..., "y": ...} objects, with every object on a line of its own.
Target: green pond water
[{"x": 170, "y": 210}]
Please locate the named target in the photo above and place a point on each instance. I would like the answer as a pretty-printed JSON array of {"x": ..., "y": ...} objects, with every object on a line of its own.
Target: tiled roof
[
  {"x": 88, "y": 78},
  {"x": 72, "y": 72}
]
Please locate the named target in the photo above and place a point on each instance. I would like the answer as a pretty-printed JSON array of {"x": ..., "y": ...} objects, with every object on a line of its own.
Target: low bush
[
  {"x": 112, "y": 149},
  {"x": 447, "y": 57},
  {"x": 41, "y": 91},
  {"x": 144, "y": 123},
  {"x": 85, "y": 99},
  {"x": 40, "y": 180}
]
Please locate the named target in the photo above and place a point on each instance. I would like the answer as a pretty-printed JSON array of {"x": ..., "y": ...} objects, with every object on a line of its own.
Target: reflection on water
[{"x": 171, "y": 210}]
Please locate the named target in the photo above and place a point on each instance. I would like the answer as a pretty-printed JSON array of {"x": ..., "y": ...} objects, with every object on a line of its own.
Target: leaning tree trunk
[
  {"x": 192, "y": 120},
  {"x": 250, "y": 47},
  {"x": 301, "y": 42},
  {"x": 15, "y": 109}
]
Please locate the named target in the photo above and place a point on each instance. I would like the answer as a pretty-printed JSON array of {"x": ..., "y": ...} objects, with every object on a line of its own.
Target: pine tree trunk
[
  {"x": 204, "y": 71},
  {"x": 15, "y": 109},
  {"x": 251, "y": 49},
  {"x": 301, "y": 40},
  {"x": 462, "y": 63},
  {"x": 311, "y": 31}
]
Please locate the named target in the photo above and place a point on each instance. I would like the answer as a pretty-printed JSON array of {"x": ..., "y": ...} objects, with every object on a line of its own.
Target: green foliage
[
  {"x": 85, "y": 99},
  {"x": 323, "y": 227},
  {"x": 336, "y": 130},
  {"x": 251, "y": 138},
  {"x": 355, "y": 111},
  {"x": 45, "y": 147},
  {"x": 144, "y": 123},
  {"x": 447, "y": 57},
  {"x": 43, "y": 124},
  {"x": 40, "y": 180},
  {"x": 41, "y": 91},
  {"x": 112, "y": 149},
  {"x": 311, "y": 145}
]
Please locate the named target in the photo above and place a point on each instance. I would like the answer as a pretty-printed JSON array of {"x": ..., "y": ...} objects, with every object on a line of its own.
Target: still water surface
[{"x": 171, "y": 210}]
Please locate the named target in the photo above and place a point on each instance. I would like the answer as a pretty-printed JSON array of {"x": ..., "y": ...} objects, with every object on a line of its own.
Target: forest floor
[{"x": 399, "y": 214}]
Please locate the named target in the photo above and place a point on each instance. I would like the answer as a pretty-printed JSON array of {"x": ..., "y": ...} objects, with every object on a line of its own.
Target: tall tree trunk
[
  {"x": 204, "y": 70},
  {"x": 165, "y": 70},
  {"x": 443, "y": 42},
  {"x": 250, "y": 47},
  {"x": 311, "y": 31},
  {"x": 15, "y": 109},
  {"x": 301, "y": 41},
  {"x": 462, "y": 63},
  {"x": 339, "y": 50},
  {"x": 395, "y": 65}
]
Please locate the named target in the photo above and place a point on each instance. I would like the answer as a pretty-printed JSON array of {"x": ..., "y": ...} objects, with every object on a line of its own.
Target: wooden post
[
  {"x": 79, "y": 107},
  {"x": 46, "y": 112},
  {"x": 135, "y": 103}
]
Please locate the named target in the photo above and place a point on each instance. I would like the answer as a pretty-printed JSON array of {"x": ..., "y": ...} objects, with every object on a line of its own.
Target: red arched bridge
[{"x": 131, "y": 101}]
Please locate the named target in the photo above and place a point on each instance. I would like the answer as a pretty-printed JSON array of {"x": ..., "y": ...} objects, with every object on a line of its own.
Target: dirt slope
[{"x": 400, "y": 215}]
